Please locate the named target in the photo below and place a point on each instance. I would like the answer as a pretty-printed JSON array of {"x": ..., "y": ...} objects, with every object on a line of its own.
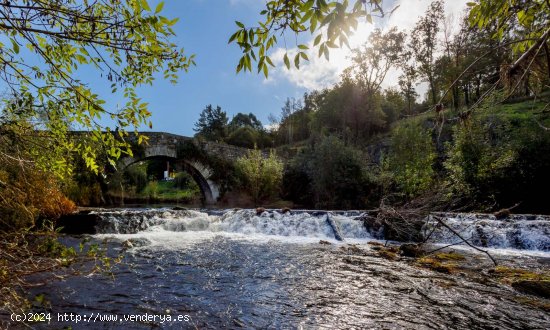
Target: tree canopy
[
  {"x": 332, "y": 22},
  {"x": 127, "y": 42},
  {"x": 212, "y": 123}
]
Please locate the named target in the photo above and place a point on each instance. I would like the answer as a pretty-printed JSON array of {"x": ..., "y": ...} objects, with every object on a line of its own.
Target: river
[{"x": 236, "y": 269}]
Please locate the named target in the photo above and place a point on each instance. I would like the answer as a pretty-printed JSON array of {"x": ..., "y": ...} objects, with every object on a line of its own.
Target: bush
[
  {"x": 502, "y": 157},
  {"x": 28, "y": 196},
  {"x": 329, "y": 175},
  {"x": 260, "y": 177},
  {"x": 411, "y": 158}
]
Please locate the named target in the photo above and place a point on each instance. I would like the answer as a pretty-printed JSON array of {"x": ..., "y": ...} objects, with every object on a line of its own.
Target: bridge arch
[
  {"x": 194, "y": 155},
  {"x": 200, "y": 172}
]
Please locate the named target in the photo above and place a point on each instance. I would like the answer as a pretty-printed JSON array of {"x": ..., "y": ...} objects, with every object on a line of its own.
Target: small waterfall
[
  {"x": 529, "y": 232},
  {"x": 298, "y": 224}
]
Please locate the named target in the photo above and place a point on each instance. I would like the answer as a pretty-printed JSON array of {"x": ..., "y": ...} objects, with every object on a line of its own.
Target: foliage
[
  {"x": 245, "y": 137},
  {"x": 424, "y": 38},
  {"x": 502, "y": 148},
  {"x": 27, "y": 192},
  {"x": 260, "y": 177},
  {"x": 407, "y": 84},
  {"x": 183, "y": 190},
  {"x": 293, "y": 122},
  {"x": 212, "y": 124},
  {"x": 335, "y": 173},
  {"x": 411, "y": 158},
  {"x": 242, "y": 120},
  {"x": 349, "y": 112},
  {"x": 127, "y": 42},
  {"x": 372, "y": 62},
  {"x": 151, "y": 190},
  {"x": 512, "y": 17},
  {"x": 136, "y": 175},
  {"x": 334, "y": 22},
  {"x": 393, "y": 105}
]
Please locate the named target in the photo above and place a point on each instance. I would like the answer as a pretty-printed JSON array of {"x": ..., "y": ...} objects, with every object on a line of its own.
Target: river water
[{"x": 236, "y": 269}]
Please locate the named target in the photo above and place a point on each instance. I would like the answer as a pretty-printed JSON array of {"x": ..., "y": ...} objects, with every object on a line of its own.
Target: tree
[
  {"x": 260, "y": 177},
  {"x": 334, "y": 21},
  {"x": 243, "y": 120},
  {"x": 372, "y": 62},
  {"x": 127, "y": 42},
  {"x": 245, "y": 137},
  {"x": 526, "y": 23},
  {"x": 349, "y": 112},
  {"x": 424, "y": 45},
  {"x": 393, "y": 104},
  {"x": 411, "y": 158},
  {"x": 212, "y": 124},
  {"x": 287, "y": 121},
  {"x": 334, "y": 172},
  {"x": 407, "y": 85}
]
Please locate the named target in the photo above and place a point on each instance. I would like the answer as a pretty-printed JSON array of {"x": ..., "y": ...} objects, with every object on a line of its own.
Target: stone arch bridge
[{"x": 189, "y": 154}]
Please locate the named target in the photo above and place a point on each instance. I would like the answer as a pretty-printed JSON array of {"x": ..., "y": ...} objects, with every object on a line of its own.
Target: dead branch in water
[
  {"x": 405, "y": 222},
  {"x": 440, "y": 221}
]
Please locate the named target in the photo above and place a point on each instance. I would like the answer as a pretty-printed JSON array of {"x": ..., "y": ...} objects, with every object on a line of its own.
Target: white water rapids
[
  {"x": 521, "y": 232},
  {"x": 230, "y": 269}
]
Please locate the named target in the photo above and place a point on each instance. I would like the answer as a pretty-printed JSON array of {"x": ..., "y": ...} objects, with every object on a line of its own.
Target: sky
[{"x": 204, "y": 28}]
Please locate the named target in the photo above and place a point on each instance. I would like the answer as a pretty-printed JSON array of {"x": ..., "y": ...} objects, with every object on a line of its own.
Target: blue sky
[{"x": 204, "y": 28}]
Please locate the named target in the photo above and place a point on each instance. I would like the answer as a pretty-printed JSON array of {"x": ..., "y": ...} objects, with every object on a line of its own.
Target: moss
[
  {"x": 533, "y": 303},
  {"x": 433, "y": 263},
  {"x": 448, "y": 256},
  {"x": 509, "y": 275},
  {"x": 388, "y": 254}
]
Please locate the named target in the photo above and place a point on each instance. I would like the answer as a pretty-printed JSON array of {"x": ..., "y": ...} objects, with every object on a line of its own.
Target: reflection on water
[{"x": 254, "y": 275}]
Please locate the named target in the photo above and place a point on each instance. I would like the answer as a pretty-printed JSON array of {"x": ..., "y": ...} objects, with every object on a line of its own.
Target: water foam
[
  {"x": 244, "y": 222},
  {"x": 526, "y": 232}
]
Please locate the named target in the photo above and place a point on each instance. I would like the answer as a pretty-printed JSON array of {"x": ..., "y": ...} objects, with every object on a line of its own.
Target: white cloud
[{"x": 319, "y": 73}]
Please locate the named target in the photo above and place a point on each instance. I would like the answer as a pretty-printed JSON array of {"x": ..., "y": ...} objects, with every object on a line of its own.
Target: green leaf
[
  {"x": 233, "y": 37},
  {"x": 15, "y": 46},
  {"x": 159, "y": 7},
  {"x": 241, "y": 25},
  {"x": 287, "y": 61},
  {"x": 317, "y": 40},
  {"x": 264, "y": 67},
  {"x": 144, "y": 5}
]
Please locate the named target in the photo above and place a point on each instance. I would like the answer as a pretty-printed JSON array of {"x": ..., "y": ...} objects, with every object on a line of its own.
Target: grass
[{"x": 167, "y": 190}]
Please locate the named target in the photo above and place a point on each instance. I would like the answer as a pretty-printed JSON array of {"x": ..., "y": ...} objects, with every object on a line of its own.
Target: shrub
[
  {"x": 498, "y": 159},
  {"x": 330, "y": 175},
  {"x": 260, "y": 177},
  {"x": 27, "y": 196},
  {"x": 411, "y": 158}
]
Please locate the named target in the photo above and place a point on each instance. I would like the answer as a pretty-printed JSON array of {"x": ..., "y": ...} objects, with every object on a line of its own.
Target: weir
[{"x": 527, "y": 232}]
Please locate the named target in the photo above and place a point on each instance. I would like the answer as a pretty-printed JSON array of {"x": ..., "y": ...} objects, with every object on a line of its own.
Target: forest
[{"x": 478, "y": 140}]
